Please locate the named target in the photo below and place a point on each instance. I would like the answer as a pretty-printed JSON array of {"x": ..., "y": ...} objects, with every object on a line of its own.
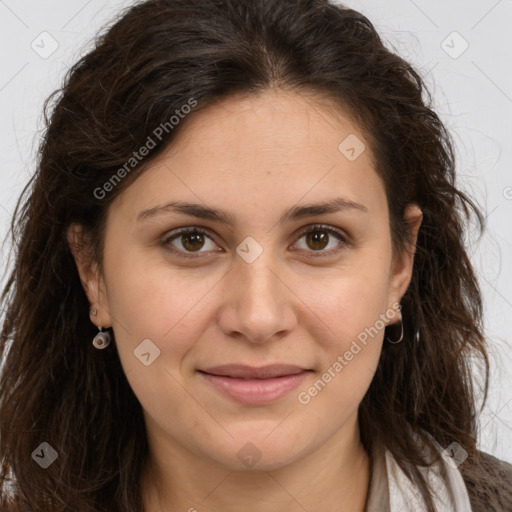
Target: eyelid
[
  {"x": 173, "y": 234},
  {"x": 344, "y": 239}
]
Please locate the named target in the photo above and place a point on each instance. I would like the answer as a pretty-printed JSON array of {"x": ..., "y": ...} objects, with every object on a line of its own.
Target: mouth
[
  {"x": 255, "y": 386},
  {"x": 238, "y": 371}
]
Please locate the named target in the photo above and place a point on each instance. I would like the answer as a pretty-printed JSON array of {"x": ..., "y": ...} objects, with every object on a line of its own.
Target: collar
[{"x": 392, "y": 491}]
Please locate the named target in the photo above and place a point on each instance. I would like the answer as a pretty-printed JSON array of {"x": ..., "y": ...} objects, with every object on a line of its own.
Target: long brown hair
[{"x": 57, "y": 388}]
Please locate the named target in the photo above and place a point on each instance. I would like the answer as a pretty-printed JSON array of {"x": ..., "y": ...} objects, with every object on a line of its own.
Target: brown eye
[
  {"x": 192, "y": 241},
  {"x": 189, "y": 241},
  {"x": 319, "y": 237}
]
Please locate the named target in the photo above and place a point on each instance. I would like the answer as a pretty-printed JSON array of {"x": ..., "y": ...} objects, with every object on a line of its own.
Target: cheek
[
  {"x": 346, "y": 302},
  {"x": 155, "y": 302},
  {"x": 350, "y": 331},
  {"x": 345, "y": 320},
  {"x": 169, "y": 309}
]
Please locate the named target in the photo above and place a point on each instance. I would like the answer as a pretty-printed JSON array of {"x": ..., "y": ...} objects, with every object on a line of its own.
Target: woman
[{"x": 240, "y": 280}]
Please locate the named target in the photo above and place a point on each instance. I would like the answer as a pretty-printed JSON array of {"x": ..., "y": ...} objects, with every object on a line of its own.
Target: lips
[
  {"x": 254, "y": 386},
  {"x": 236, "y": 371}
]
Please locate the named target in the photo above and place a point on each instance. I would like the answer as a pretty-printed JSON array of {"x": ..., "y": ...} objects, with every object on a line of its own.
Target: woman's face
[{"x": 265, "y": 288}]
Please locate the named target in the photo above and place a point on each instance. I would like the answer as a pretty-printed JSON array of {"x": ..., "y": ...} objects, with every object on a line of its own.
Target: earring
[
  {"x": 102, "y": 339},
  {"x": 93, "y": 311},
  {"x": 401, "y": 334}
]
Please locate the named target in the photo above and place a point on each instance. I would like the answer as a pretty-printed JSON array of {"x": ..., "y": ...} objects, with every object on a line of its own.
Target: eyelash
[{"x": 317, "y": 227}]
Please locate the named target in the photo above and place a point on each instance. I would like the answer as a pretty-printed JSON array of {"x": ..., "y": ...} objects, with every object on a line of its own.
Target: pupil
[
  {"x": 316, "y": 239},
  {"x": 195, "y": 237}
]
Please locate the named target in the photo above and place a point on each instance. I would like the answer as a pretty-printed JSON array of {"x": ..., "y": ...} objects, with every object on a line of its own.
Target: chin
[{"x": 258, "y": 453}]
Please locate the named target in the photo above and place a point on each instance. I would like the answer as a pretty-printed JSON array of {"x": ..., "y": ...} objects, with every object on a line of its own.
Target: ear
[
  {"x": 90, "y": 277},
  {"x": 401, "y": 268}
]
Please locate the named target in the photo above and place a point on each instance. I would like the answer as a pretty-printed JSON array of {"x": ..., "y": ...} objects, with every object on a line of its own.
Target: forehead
[
  {"x": 279, "y": 121},
  {"x": 261, "y": 152}
]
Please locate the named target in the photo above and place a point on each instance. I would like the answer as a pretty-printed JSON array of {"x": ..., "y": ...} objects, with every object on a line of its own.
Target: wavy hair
[{"x": 145, "y": 65}]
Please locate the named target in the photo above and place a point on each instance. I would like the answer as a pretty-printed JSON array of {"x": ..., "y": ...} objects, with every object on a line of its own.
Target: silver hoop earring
[
  {"x": 102, "y": 339},
  {"x": 401, "y": 333}
]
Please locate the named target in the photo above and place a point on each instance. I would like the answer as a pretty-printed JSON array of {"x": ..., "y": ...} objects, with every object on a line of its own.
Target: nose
[{"x": 259, "y": 304}]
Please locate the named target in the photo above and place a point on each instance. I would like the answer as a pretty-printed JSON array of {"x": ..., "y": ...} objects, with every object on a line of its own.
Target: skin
[{"x": 255, "y": 156}]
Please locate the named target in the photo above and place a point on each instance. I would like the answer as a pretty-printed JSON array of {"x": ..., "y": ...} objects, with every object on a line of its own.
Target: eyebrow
[{"x": 224, "y": 217}]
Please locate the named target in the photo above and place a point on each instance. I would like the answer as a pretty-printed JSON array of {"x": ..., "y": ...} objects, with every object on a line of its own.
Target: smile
[{"x": 255, "y": 391}]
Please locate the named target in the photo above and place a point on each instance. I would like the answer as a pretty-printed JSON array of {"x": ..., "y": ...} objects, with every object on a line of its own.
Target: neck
[{"x": 335, "y": 477}]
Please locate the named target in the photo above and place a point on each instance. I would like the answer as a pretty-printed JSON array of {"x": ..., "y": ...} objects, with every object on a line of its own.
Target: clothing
[{"x": 392, "y": 491}]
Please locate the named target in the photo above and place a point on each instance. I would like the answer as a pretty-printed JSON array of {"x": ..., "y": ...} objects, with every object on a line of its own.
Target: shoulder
[{"x": 489, "y": 483}]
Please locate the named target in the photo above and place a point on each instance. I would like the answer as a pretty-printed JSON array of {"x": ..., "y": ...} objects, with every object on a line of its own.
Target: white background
[{"x": 472, "y": 94}]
